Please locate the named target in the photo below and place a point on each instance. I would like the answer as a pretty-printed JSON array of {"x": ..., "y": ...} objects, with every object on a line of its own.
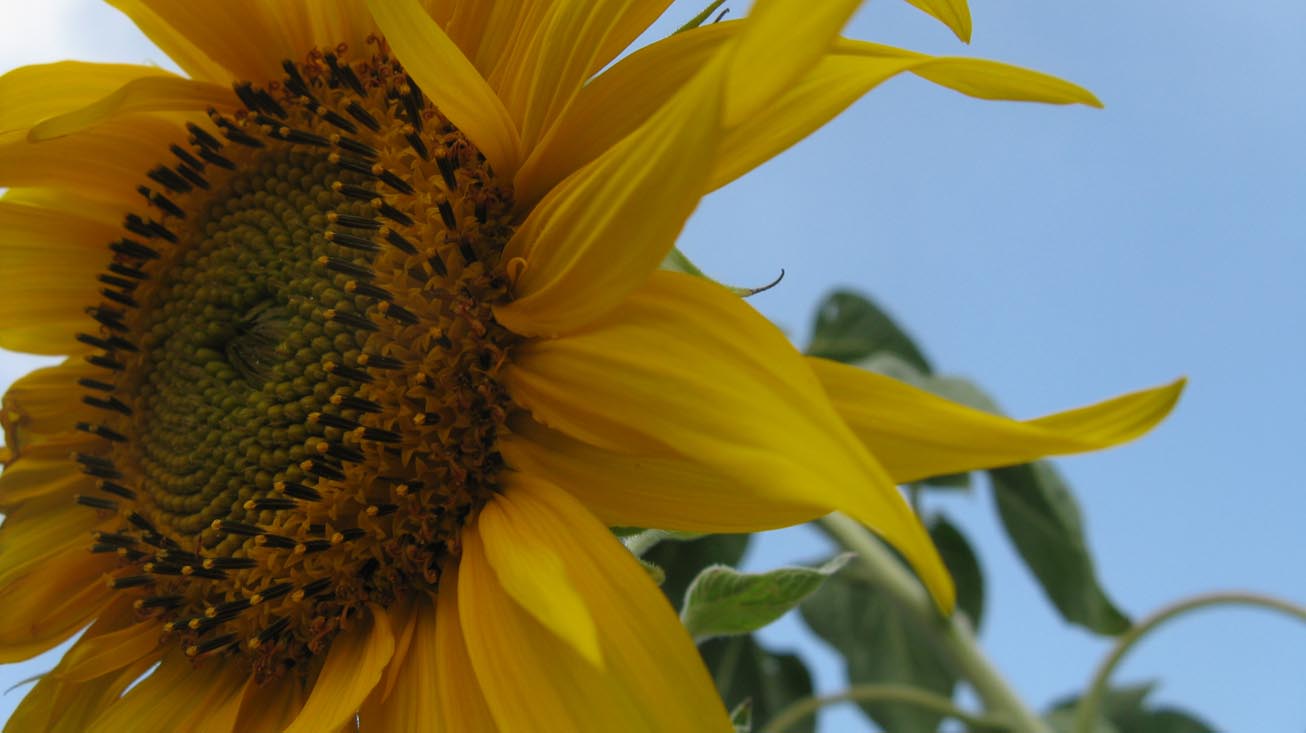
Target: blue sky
[{"x": 1057, "y": 256}]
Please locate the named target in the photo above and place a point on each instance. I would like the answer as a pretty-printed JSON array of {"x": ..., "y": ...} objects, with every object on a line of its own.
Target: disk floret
[{"x": 300, "y": 398}]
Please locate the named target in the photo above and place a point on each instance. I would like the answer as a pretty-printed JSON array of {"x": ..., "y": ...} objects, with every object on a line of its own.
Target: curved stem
[
  {"x": 882, "y": 693},
  {"x": 1086, "y": 712},
  {"x": 952, "y": 636}
]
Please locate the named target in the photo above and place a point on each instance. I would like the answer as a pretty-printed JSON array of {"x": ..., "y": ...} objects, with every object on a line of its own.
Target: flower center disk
[{"x": 301, "y": 406}]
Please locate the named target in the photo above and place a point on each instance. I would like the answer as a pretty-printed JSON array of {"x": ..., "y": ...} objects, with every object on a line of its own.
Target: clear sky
[{"x": 1058, "y": 256}]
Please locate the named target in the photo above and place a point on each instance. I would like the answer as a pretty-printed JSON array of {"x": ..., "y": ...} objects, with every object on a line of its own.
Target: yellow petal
[
  {"x": 915, "y": 434},
  {"x": 403, "y": 618},
  {"x": 451, "y": 81},
  {"x": 220, "y": 716},
  {"x": 953, "y": 13},
  {"x": 42, "y": 408},
  {"x": 194, "y": 61},
  {"x": 164, "y": 700},
  {"x": 653, "y": 678},
  {"x": 56, "y": 705},
  {"x": 411, "y": 704},
  {"x": 353, "y": 666},
  {"x": 855, "y": 68},
  {"x": 27, "y": 478},
  {"x": 805, "y": 32},
  {"x": 48, "y": 258},
  {"x": 46, "y": 606},
  {"x": 599, "y": 234},
  {"x": 149, "y": 94},
  {"x": 109, "y": 652},
  {"x": 684, "y": 366},
  {"x": 110, "y": 158},
  {"x": 532, "y": 572},
  {"x": 272, "y": 705},
  {"x": 570, "y": 42},
  {"x": 41, "y": 529},
  {"x": 245, "y": 39},
  {"x": 214, "y": 709},
  {"x": 30, "y": 94},
  {"x": 614, "y": 104},
  {"x": 642, "y": 490},
  {"x": 460, "y": 698}
]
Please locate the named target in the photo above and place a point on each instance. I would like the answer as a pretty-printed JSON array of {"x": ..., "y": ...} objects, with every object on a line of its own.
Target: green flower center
[{"x": 302, "y": 400}]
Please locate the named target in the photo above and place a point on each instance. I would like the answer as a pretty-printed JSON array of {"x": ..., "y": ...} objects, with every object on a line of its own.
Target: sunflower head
[{"x": 297, "y": 382}]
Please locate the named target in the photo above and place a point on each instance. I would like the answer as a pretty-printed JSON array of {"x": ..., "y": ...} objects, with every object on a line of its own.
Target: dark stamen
[
  {"x": 131, "y": 581},
  {"x": 401, "y": 244},
  {"x": 96, "y": 502},
  {"x": 89, "y": 383},
  {"x": 357, "y": 111},
  {"x": 202, "y": 138},
  {"x": 297, "y": 491},
  {"x": 102, "y": 432},
  {"x": 447, "y": 215},
  {"x": 394, "y": 214},
  {"x": 346, "y": 267},
  {"x": 355, "y": 403},
  {"x": 346, "y": 372},
  {"x": 352, "y": 241},
  {"x": 353, "y": 320},
  {"x": 115, "y": 489},
  {"x": 132, "y": 248}
]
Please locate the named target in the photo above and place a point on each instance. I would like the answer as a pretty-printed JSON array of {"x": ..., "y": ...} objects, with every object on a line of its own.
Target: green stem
[
  {"x": 882, "y": 693},
  {"x": 952, "y": 636},
  {"x": 1086, "y": 712}
]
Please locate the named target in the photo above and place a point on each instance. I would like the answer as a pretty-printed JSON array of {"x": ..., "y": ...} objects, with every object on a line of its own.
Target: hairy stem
[
  {"x": 883, "y": 693},
  {"x": 1087, "y": 710},
  {"x": 952, "y": 636}
]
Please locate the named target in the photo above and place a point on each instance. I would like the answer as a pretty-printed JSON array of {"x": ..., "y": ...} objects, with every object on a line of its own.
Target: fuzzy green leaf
[
  {"x": 850, "y": 327},
  {"x": 879, "y": 644},
  {"x": 723, "y": 601},
  {"x": 746, "y": 671},
  {"x": 1043, "y": 521}
]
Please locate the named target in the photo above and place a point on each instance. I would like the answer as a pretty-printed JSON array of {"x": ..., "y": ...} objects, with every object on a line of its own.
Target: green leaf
[
  {"x": 1043, "y": 521},
  {"x": 723, "y": 601},
  {"x": 850, "y": 327},
  {"x": 657, "y": 574},
  {"x": 879, "y": 644},
  {"x": 683, "y": 561},
  {"x": 1126, "y": 710},
  {"x": 742, "y": 716},
  {"x": 745, "y": 670},
  {"x": 963, "y": 565}
]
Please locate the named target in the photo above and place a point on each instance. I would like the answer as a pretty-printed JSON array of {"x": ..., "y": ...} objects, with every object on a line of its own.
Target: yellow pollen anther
[
  {"x": 208, "y": 564},
  {"x": 255, "y": 599},
  {"x": 193, "y": 624},
  {"x": 211, "y": 611},
  {"x": 215, "y": 524},
  {"x": 300, "y": 549},
  {"x": 322, "y": 448},
  {"x": 373, "y": 511},
  {"x": 187, "y": 570},
  {"x": 170, "y": 627},
  {"x": 148, "y": 567},
  {"x": 122, "y": 552},
  {"x": 253, "y": 643},
  {"x": 337, "y": 538},
  {"x": 249, "y": 505},
  {"x": 192, "y": 651},
  {"x": 401, "y": 490},
  {"x": 419, "y": 418},
  {"x": 138, "y": 604},
  {"x": 297, "y": 596}
]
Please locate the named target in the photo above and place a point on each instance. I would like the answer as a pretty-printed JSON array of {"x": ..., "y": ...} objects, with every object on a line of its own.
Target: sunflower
[{"x": 368, "y": 347}]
